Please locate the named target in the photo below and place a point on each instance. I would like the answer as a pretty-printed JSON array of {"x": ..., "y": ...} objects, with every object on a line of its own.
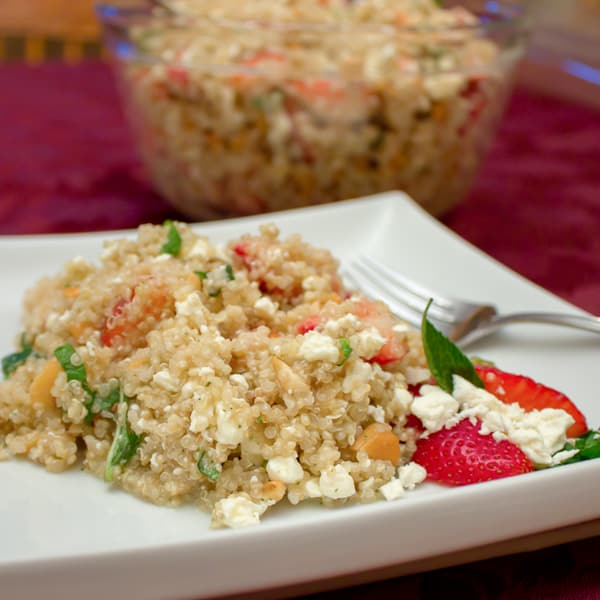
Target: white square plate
[{"x": 71, "y": 536}]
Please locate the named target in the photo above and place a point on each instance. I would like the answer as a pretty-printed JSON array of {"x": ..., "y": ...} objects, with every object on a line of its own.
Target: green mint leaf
[
  {"x": 346, "y": 350},
  {"x": 229, "y": 272},
  {"x": 173, "y": 244},
  {"x": 11, "y": 362},
  {"x": 377, "y": 141},
  {"x": 125, "y": 442},
  {"x": 588, "y": 445},
  {"x": 108, "y": 402},
  {"x": 75, "y": 370},
  {"x": 444, "y": 358},
  {"x": 202, "y": 275},
  {"x": 207, "y": 468}
]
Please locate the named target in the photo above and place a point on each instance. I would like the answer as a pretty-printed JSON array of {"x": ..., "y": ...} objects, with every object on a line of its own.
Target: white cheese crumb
[
  {"x": 202, "y": 371},
  {"x": 367, "y": 343},
  {"x": 376, "y": 413},
  {"x": 335, "y": 482},
  {"x": 239, "y": 380},
  {"x": 411, "y": 475},
  {"x": 314, "y": 283},
  {"x": 539, "y": 433},
  {"x": 392, "y": 490},
  {"x": 416, "y": 375},
  {"x": 285, "y": 468},
  {"x": 165, "y": 380},
  {"x": 434, "y": 407},
  {"x": 200, "y": 249},
  {"x": 312, "y": 488},
  {"x": 340, "y": 327},
  {"x": 316, "y": 346},
  {"x": 191, "y": 307},
  {"x": 237, "y": 510},
  {"x": 265, "y": 307},
  {"x": 230, "y": 422}
]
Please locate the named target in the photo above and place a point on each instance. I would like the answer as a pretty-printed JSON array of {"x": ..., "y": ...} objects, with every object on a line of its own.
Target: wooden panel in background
[{"x": 72, "y": 19}]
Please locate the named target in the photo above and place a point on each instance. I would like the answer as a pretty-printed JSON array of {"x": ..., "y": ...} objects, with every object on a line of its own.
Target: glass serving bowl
[{"x": 241, "y": 108}]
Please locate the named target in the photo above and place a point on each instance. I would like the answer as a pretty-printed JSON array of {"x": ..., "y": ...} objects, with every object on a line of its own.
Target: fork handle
[{"x": 582, "y": 322}]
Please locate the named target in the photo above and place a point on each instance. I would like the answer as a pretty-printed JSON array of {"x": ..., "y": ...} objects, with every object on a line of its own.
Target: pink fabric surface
[{"x": 67, "y": 164}]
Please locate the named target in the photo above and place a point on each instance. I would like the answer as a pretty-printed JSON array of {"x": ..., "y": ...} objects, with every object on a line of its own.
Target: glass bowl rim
[{"x": 498, "y": 15}]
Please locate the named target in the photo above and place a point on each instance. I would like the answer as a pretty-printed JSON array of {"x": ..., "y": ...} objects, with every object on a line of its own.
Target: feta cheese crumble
[
  {"x": 434, "y": 407},
  {"x": 539, "y": 433},
  {"x": 237, "y": 510},
  {"x": 285, "y": 468},
  {"x": 335, "y": 482},
  {"x": 316, "y": 346}
]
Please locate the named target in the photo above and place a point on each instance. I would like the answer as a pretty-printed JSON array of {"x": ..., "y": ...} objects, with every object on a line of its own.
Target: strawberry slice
[
  {"x": 131, "y": 318},
  {"x": 376, "y": 314},
  {"x": 308, "y": 324},
  {"x": 461, "y": 455},
  {"x": 530, "y": 395}
]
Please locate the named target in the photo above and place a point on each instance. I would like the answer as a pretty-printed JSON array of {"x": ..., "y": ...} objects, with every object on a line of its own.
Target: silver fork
[{"x": 462, "y": 321}]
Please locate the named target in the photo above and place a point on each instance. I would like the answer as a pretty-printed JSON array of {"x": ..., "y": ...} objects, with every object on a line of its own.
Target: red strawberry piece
[
  {"x": 461, "y": 455},
  {"x": 131, "y": 318},
  {"x": 530, "y": 395},
  {"x": 414, "y": 422},
  {"x": 377, "y": 315},
  {"x": 308, "y": 324}
]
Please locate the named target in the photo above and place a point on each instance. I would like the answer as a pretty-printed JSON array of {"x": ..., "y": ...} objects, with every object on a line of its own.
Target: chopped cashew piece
[
  {"x": 379, "y": 442},
  {"x": 289, "y": 381},
  {"x": 39, "y": 391}
]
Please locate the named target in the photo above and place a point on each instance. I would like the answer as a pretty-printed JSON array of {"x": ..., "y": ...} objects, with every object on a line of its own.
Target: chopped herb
[
  {"x": 259, "y": 419},
  {"x": 173, "y": 244},
  {"x": 109, "y": 401},
  {"x": 266, "y": 103},
  {"x": 346, "y": 349},
  {"x": 207, "y": 468},
  {"x": 229, "y": 272},
  {"x": 16, "y": 359},
  {"x": 202, "y": 275},
  {"x": 444, "y": 358},
  {"x": 214, "y": 293},
  {"x": 588, "y": 446},
  {"x": 258, "y": 103},
  {"x": 125, "y": 442},
  {"x": 75, "y": 371},
  {"x": 377, "y": 141}
]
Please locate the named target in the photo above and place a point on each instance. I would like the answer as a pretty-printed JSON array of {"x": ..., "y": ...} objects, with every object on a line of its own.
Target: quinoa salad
[
  {"x": 236, "y": 377},
  {"x": 271, "y": 104}
]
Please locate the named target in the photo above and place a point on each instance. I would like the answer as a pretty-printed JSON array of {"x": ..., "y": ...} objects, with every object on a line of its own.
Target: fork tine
[
  {"x": 401, "y": 310},
  {"x": 412, "y": 287},
  {"x": 386, "y": 282}
]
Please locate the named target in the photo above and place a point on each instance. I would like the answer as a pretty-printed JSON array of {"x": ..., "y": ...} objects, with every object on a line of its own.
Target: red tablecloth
[{"x": 67, "y": 164}]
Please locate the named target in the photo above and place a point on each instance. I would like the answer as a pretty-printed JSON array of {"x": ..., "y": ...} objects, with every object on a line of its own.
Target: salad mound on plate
[{"x": 241, "y": 376}]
